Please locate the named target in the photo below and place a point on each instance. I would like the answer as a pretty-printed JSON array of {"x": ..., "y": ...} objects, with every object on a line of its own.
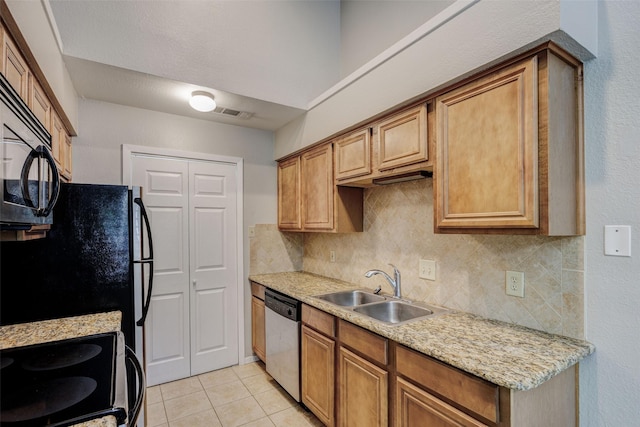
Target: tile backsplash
[{"x": 470, "y": 272}]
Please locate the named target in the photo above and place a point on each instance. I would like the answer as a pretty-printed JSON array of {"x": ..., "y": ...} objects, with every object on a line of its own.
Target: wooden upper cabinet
[
  {"x": 14, "y": 66},
  {"x": 398, "y": 145},
  {"x": 67, "y": 156},
  {"x": 510, "y": 151},
  {"x": 289, "y": 200},
  {"x": 39, "y": 103},
  {"x": 61, "y": 147},
  {"x": 353, "y": 154},
  {"x": 308, "y": 199},
  {"x": 317, "y": 188},
  {"x": 402, "y": 139}
]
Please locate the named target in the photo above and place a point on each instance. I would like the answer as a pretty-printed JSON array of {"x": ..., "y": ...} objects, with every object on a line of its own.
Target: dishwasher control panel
[{"x": 282, "y": 304}]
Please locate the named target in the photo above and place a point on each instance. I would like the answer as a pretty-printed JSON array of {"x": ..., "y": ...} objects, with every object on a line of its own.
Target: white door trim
[{"x": 129, "y": 150}]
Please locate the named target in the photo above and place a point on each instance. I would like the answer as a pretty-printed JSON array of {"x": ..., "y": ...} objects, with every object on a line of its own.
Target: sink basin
[
  {"x": 351, "y": 298},
  {"x": 395, "y": 312}
]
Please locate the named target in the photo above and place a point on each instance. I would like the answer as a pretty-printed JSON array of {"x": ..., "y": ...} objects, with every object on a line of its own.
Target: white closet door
[
  {"x": 165, "y": 185},
  {"x": 214, "y": 264}
]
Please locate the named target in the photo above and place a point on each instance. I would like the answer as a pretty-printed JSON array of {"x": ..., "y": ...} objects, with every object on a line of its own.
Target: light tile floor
[{"x": 237, "y": 396}]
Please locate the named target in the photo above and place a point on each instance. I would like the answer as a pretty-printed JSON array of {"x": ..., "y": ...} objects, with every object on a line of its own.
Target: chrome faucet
[{"x": 395, "y": 282}]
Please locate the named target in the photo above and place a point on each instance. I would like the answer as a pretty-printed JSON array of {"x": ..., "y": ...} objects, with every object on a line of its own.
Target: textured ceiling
[
  {"x": 274, "y": 59},
  {"x": 269, "y": 58}
]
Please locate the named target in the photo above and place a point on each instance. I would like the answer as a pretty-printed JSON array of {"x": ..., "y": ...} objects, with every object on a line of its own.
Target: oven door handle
[{"x": 132, "y": 416}]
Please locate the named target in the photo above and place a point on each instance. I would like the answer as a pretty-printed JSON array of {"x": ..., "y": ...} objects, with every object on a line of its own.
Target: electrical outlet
[
  {"x": 332, "y": 256},
  {"x": 514, "y": 282},
  {"x": 427, "y": 269}
]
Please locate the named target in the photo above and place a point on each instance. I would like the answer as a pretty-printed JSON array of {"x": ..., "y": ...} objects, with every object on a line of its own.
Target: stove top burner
[
  {"x": 5, "y": 361},
  {"x": 57, "y": 383},
  {"x": 41, "y": 400},
  {"x": 61, "y": 357}
]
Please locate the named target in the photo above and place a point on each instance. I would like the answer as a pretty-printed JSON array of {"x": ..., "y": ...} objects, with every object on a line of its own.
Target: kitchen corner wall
[
  {"x": 470, "y": 274},
  {"x": 274, "y": 252}
]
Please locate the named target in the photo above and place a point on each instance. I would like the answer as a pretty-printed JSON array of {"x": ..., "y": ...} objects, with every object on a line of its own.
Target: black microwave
[{"x": 30, "y": 179}]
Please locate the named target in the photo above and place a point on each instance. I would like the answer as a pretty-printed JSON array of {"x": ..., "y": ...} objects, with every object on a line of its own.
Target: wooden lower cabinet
[
  {"x": 258, "y": 342},
  {"x": 258, "y": 337},
  {"x": 318, "y": 374},
  {"x": 363, "y": 395},
  {"x": 415, "y": 408}
]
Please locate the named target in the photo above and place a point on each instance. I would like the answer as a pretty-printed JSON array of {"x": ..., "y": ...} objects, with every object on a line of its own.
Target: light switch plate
[
  {"x": 252, "y": 231},
  {"x": 617, "y": 240},
  {"x": 427, "y": 269}
]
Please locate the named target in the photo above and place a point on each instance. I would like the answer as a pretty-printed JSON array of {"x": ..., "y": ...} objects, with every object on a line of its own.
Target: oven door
[{"x": 30, "y": 180}]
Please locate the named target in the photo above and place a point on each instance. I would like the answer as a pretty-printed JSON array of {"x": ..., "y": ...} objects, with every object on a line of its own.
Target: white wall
[
  {"x": 369, "y": 27},
  {"x": 610, "y": 379},
  {"x": 460, "y": 40},
  {"x": 104, "y": 127}
]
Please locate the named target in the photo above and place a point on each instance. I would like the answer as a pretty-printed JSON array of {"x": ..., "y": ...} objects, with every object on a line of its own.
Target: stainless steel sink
[
  {"x": 396, "y": 312},
  {"x": 389, "y": 311},
  {"x": 351, "y": 298}
]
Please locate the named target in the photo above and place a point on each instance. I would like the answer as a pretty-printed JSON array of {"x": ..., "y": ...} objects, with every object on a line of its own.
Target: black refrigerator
[
  {"x": 90, "y": 262},
  {"x": 97, "y": 257}
]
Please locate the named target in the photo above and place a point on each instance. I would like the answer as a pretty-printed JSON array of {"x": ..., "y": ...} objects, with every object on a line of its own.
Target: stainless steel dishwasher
[{"x": 282, "y": 325}]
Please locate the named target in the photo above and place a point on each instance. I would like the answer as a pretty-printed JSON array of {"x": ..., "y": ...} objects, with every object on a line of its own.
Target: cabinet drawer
[
  {"x": 363, "y": 341},
  {"x": 476, "y": 395},
  {"x": 319, "y": 320},
  {"x": 257, "y": 291},
  {"x": 415, "y": 407}
]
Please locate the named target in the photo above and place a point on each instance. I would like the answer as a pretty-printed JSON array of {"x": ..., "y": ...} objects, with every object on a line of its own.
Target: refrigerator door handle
[{"x": 148, "y": 260}]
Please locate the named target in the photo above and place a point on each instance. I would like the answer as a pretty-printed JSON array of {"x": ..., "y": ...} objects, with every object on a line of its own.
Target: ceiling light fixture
[{"x": 202, "y": 101}]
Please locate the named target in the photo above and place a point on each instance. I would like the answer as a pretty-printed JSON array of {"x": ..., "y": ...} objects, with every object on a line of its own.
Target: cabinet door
[
  {"x": 317, "y": 189},
  {"x": 57, "y": 140},
  {"x": 363, "y": 392},
  {"x": 14, "y": 67},
  {"x": 487, "y": 141},
  {"x": 415, "y": 408},
  {"x": 39, "y": 103},
  {"x": 258, "y": 342},
  {"x": 289, "y": 202},
  {"x": 317, "y": 370},
  {"x": 353, "y": 155},
  {"x": 402, "y": 139},
  {"x": 67, "y": 156}
]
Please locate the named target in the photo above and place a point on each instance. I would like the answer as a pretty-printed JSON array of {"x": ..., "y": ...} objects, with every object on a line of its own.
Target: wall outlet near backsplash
[{"x": 514, "y": 283}]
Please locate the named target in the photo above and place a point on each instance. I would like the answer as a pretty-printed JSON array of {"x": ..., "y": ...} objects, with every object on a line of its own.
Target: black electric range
[{"x": 62, "y": 383}]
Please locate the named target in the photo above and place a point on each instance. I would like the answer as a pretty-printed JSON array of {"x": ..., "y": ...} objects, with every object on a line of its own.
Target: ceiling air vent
[{"x": 233, "y": 113}]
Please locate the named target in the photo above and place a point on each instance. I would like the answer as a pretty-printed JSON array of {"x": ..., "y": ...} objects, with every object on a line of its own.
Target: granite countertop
[
  {"x": 505, "y": 354},
  {"x": 59, "y": 329}
]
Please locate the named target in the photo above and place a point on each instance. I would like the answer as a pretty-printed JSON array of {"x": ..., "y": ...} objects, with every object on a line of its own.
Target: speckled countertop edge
[
  {"x": 24, "y": 334},
  {"x": 505, "y": 354}
]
